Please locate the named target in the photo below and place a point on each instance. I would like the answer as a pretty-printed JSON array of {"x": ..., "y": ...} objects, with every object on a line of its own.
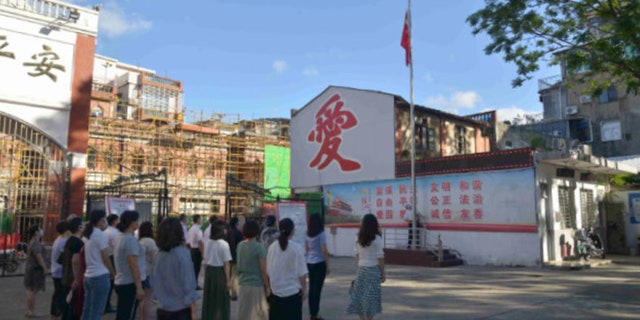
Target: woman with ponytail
[
  {"x": 99, "y": 269},
  {"x": 366, "y": 297},
  {"x": 287, "y": 271},
  {"x": 129, "y": 256}
]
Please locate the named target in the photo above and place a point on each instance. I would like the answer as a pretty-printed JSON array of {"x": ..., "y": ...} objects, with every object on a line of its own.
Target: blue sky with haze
[{"x": 256, "y": 58}]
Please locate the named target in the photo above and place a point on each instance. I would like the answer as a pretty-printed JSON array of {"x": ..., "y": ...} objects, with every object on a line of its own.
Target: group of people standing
[{"x": 268, "y": 269}]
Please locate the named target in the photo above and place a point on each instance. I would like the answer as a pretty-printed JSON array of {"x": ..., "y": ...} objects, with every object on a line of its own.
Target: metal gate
[{"x": 34, "y": 177}]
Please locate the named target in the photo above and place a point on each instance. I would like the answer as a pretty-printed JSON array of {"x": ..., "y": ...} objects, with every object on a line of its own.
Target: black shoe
[
  {"x": 233, "y": 298},
  {"x": 109, "y": 309},
  {"x": 199, "y": 288}
]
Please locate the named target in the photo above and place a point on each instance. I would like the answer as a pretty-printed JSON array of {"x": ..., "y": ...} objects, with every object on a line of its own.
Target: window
[
  {"x": 587, "y": 208},
  {"x": 91, "y": 159},
  {"x": 96, "y": 111},
  {"x": 567, "y": 208},
  {"x": 610, "y": 130},
  {"x": 425, "y": 136},
  {"x": 461, "y": 139},
  {"x": 609, "y": 95}
]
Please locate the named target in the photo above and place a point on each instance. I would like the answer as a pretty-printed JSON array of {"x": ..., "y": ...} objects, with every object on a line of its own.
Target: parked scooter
[
  {"x": 11, "y": 258},
  {"x": 589, "y": 244}
]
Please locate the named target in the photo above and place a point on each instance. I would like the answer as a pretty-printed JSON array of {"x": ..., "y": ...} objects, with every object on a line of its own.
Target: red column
[{"x": 78, "y": 137}]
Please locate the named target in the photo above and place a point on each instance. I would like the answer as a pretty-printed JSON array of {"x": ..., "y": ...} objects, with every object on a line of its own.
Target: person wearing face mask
[
  {"x": 35, "y": 269},
  {"x": 99, "y": 268}
]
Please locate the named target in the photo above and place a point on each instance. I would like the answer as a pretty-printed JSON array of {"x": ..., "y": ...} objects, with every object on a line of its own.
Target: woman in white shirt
[
  {"x": 217, "y": 275},
  {"x": 287, "y": 270},
  {"x": 366, "y": 298},
  {"x": 145, "y": 234},
  {"x": 99, "y": 269}
]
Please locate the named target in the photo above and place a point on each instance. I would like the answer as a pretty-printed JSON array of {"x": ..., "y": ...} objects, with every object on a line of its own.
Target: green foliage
[
  {"x": 538, "y": 143},
  {"x": 627, "y": 180},
  {"x": 592, "y": 37}
]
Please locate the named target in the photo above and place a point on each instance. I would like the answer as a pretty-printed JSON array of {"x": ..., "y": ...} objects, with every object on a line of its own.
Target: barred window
[
  {"x": 587, "y": 208},
  {"x": 567, "y": 208}
]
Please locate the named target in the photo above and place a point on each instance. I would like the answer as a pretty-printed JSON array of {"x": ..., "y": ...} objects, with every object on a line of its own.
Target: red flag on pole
[{"x": 406, "y": 38}]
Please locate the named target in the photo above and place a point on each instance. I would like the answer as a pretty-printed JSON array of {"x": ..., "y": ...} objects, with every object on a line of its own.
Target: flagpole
[{"x": 414, "y": 227}]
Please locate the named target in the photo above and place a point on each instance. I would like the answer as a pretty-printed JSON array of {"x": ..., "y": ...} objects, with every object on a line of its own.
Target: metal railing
[{"x": 398, "y": 238}]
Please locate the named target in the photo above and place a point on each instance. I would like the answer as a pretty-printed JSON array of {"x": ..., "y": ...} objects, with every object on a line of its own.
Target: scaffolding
[{"x": 198, "y": 164}]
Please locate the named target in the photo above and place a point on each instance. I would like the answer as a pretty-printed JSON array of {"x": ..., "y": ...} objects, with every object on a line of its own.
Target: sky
[{"x": 254, "y": 58}]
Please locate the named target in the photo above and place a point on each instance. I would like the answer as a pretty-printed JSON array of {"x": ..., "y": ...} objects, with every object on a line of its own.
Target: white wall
[{"x": 476, "y": 248}]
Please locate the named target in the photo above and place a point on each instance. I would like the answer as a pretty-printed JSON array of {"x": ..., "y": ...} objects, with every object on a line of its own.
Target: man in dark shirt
[{"x": 234, "y": 236}]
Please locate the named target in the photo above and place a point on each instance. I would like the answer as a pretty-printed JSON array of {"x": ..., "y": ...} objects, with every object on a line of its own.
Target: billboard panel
[
  {"x": 343, "y": 135},
  {"x": 277, "y": 166},
  {"x": 491, "y": 198}
]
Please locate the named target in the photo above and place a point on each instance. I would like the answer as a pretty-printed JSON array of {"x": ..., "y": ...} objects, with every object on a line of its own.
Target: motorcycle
[
  {"x": 10, "y": 259},
  {"x": 589, "y": 244}
]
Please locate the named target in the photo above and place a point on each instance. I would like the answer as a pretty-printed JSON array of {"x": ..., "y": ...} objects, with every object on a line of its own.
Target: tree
[{"x": 597, "y": 40}]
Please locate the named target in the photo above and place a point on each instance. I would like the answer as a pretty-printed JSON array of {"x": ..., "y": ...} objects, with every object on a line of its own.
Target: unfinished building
[{"x": 144, "y": 145}]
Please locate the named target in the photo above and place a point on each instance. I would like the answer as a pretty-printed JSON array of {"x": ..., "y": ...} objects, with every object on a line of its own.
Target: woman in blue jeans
[{"x": 99, "y": 269}]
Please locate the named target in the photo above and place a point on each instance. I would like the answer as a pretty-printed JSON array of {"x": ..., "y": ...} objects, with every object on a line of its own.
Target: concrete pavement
[{"x": 606, "y": 291}]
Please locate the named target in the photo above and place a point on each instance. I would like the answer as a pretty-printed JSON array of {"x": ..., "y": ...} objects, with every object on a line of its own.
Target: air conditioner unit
[
  {"x": 572, "y": 110},
  {"x": 585, "y": 99},
  {"x": 585, "y": 149}
]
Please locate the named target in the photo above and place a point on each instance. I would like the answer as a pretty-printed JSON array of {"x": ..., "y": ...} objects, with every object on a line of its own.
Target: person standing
[
  {"x": 207, "y": 231},
  {"x": 35, "y": 269},
  {"x": 174, "y": 285},
  {"x": 145, "y": 234},
  {"x": 270, "y": 232},
  {"x": 217, "y": 277},
  {"x": 72, "y": 271},
  {"x": 287, "y": 272},
  {"x": 112, "y": 234},
  {"x": 234, "y": 236},
  {"x": 58, "y": 297},
  {"x": 129, "y": 256},
  {"x": 366, "y": 298},
  {"x": 252, "y": 275},
  {"x": 99, "y": 269},
  {"x": 196, "y": 243},
  {"x": 183, "y": 223},
  {"x": 317, "y": 262}
]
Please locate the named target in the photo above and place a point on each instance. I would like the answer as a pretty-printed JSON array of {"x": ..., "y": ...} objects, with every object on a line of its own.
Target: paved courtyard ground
[{"x": 610, "y": 291}]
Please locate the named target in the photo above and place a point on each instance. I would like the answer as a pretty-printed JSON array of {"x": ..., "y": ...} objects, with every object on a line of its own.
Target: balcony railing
[
  {"x": 102, "y": 87},
  {"x": 53, "y": 11},
  {"x": 549, "y": 82}
]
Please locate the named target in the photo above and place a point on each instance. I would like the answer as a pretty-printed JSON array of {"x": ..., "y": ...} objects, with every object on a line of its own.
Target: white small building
[{"x": 512, "y": 207}]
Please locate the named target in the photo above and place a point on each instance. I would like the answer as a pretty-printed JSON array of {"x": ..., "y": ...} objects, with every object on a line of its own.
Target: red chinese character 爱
[{"x": 331, "y": 120}]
